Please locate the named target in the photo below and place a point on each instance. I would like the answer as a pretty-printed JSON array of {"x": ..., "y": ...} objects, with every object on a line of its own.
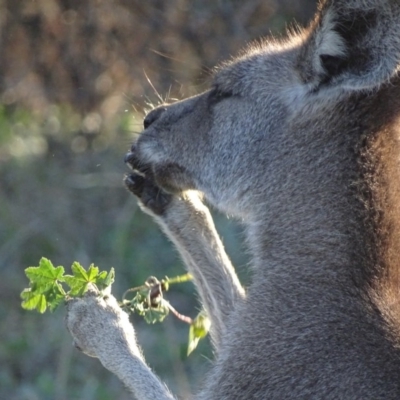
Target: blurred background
[{"x": 76, "y": 79}]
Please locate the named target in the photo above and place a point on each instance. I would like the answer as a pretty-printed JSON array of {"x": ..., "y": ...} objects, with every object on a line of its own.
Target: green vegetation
[
  {"x": 47, "y": 291},
  {"x": 46, "y": 284},
  {"x": 149, "y": 302}
]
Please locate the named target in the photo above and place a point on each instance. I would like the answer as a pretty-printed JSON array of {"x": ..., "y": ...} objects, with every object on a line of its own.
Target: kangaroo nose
[{"x": 152, "y": 116}]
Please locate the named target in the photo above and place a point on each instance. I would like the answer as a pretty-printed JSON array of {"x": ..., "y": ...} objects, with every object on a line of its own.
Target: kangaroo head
[{"x": 270, "y": 104}]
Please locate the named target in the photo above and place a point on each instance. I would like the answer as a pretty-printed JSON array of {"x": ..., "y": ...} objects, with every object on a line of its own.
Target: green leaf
[
  {"x": 138, "y": 303},
  {"x": 92, "y": 273},
  {"x": 79, "y": 272},
  {"x": 199, "y": 329},
  {"x": 44, "y": 290},
  {"x": 45, "y": 284},
  {"x": 33, "y": 301},
  {"x": 156, "y": 314},
  {"x": 55, "y": 296},
  {"x": 45, "y": 274},
  {"x": 79, "y": 280},
  {"x": 78, "y": 286},
  {"x": 42, "y": 304},
  {"x": 103, "y": 280}
]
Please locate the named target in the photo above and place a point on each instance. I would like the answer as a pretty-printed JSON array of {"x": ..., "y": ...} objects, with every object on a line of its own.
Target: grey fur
[{"x": 300, "y": 140}]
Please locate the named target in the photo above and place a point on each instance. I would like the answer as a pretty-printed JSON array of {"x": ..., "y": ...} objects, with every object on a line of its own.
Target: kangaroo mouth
[{"x": 132, "y": 160}]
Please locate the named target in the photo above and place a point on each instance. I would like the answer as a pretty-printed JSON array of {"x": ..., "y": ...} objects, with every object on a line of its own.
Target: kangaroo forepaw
[
  {"x": 98, "y": 326},
  {"x": 150, "y": 195},
  {"x": 142, "y": 184}
]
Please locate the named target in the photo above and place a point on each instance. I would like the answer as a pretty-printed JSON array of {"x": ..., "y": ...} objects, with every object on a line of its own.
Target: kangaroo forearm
[
  {"x": 138, "y": 378},
  {"x": 101, "y": 329},
  {"x": 206, "y": 260},
  {"x": 217, "y": 302},
  {"x": 189, "y": 225}
]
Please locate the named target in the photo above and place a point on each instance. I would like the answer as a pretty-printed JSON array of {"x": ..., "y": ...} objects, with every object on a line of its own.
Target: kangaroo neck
[{"x": 335, "y": 236}]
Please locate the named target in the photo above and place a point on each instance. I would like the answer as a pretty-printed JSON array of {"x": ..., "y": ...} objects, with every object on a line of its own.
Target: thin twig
[{"x": 178, "y": 315}]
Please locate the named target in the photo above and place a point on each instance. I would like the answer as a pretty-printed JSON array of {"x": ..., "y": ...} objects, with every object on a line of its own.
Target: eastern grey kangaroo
[{"x": 299, "y": 139}]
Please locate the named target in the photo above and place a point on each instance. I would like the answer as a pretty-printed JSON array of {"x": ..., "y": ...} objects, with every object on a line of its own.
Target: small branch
[
  {"x": 178, "y": 315},
  {"x": 135, "y": 289},
  {"x": 179, "y": 279}
]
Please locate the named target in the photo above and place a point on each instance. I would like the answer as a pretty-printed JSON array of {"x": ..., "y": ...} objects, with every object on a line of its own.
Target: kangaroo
[{"x": 299, "y": 139}]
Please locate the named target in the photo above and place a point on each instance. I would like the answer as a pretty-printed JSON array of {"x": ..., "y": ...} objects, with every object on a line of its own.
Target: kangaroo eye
[{"x": 217, "y": 94}]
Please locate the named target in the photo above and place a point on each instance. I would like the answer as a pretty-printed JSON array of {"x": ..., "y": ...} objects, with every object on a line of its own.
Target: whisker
[{"x": 151, "y": 84}]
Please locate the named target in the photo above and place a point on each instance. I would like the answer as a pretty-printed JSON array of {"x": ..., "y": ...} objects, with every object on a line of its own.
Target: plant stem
[
  {"x": 178, "y": 315},
  {"x": 180, "y": 279},
  {"x": 135, "y": 289}
]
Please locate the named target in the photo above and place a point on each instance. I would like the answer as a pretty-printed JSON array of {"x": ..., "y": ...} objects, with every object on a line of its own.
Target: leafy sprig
[
  {"x": 150, "y": 303},
  {"x": 198, "y": 330},
  {"x": 48, "y": 286}
]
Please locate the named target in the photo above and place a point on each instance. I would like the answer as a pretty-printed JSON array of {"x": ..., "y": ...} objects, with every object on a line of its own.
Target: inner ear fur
[{"x": 352, "y": 44}]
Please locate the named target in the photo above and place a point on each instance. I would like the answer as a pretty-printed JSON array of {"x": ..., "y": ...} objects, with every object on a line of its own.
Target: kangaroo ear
[{"x": 352, "y": 44}]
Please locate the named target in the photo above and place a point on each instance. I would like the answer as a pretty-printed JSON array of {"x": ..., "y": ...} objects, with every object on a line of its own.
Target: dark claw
[
  {"x": 133, "y": 162},
  {"x": 131, "y": 159},
  {"x": 128, "y": 158},
  {"x": 150, "y": 195},
  {"x": 135, "y": 183}
]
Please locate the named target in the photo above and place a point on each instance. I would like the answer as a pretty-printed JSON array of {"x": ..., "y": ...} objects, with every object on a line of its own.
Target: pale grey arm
[
  {"x": 188, "y": 223},
  {"x": 101, "y": 329}
]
